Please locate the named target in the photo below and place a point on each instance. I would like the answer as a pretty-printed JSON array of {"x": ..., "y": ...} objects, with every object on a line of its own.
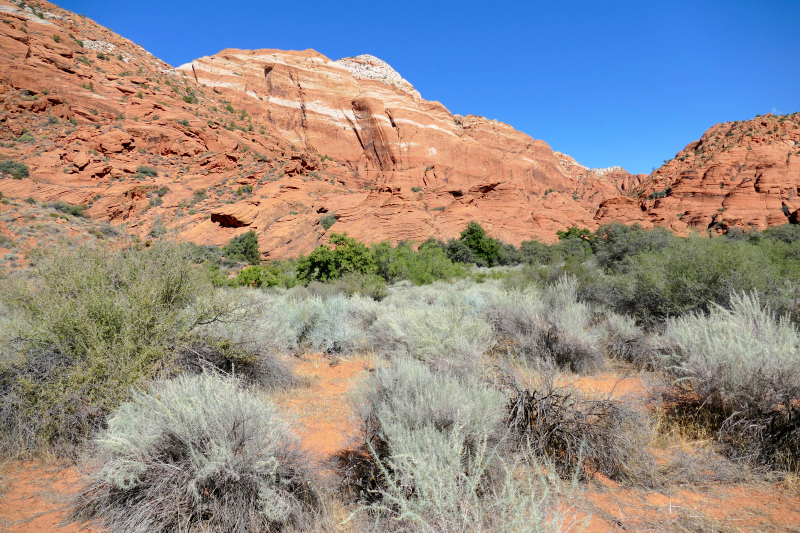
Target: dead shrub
[{"x": 580, "y": 435}]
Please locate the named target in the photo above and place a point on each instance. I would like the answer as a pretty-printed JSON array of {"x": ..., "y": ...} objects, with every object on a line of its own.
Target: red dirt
[
  {"x": 322, "y": 408},
  {"x": 37, "y": 496},
  {"x": 720, "y": 508},
  {"x": 603, "y": 384}
]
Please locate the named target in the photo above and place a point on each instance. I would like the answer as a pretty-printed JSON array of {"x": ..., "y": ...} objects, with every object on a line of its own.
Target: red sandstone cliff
[
  {"x": 273, "y": 141},
  {"x": 266, "y": 140},
  {"x": 739, "y": 174}
]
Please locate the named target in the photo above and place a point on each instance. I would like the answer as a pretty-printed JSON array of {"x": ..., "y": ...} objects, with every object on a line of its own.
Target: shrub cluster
[
  {"x": 69, "y": 209},
  {"x": 434, "y": 459},
  {"x": 244, "y": 248},
  {"x": 17, "y": 171},
  {"x": 549, "y": 326},
  {"x": 138, "y": 348},
  {"x": 652, "y": 275},
  {"x": 368, "y": 265},
  {"x": 647, "y": 274},
  {"x": 87, "y": 325},
  {"x": 143, "y": 171},
  {"x": 736, "y": 373}
]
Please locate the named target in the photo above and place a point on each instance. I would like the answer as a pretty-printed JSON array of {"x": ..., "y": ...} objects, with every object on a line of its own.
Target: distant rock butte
[
  {"x": 274, "y": 140},
  {"x": 742, "y": 174}
]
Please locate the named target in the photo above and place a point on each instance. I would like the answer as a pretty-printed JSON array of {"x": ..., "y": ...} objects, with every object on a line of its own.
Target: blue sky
[{"x": 609, "y": 83}]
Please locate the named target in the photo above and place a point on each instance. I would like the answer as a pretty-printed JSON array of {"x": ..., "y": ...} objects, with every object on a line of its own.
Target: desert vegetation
[
  {"x": 155, "y": 367},
  {"x": 199, "y": 449}
]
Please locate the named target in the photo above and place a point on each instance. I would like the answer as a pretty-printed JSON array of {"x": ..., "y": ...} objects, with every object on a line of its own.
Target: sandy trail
[{"x": 322, "y": 408}]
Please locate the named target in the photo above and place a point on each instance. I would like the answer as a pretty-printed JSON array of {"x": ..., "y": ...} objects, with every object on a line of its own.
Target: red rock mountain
[
  {"x": 739, "y": 174},
  {"x": 274, "y": 141}
]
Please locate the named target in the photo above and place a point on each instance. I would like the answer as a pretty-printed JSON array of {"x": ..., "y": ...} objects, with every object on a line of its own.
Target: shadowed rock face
[
  {"x": 272, "y": 141},
  {"x": 739, "y": 174}
]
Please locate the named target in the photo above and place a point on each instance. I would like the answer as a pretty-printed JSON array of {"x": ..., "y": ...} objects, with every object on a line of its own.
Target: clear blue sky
[{"x": 609, "y": 83}]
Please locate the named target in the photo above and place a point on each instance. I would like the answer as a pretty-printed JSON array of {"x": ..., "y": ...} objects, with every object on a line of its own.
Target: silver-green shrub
[
  {"x": 444, "y": 335},
  {"x": 624, "y": 340},
  {"x": 409, "y": 394},
  {"x": 458, "y": 293},
  {"x": 549, "y": 325},
  {"x": 242, "y": 337},
  {"x": 198, "y": 454},
  {"x": 337, "y": 324},
  {"x": 436, "y": 450},
  {"x": 741, "y": 368},
  {"x": 438, "y": 457},
  {"x": 437, "y": 484},
  {"x": 291, "y": 321}
]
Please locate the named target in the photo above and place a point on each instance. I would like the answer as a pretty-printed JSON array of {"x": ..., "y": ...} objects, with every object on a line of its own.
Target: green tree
[
  {"x": 615, "y": 244},
  {"x": 244, "y": 248},
  {"x": 325, "y": 264},
  {"x": 421, "y": 267},
  {"x": 575, "y": 233},
  {"x": 275, "y": 274},
  {"x": 485, "y": 248}
]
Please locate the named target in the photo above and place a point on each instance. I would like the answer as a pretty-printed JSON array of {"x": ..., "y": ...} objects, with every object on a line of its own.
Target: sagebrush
[{"x": 198, "y": 453}]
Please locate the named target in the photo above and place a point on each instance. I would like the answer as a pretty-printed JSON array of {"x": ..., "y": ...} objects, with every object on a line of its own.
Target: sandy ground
[{"x": 37, "y": 495}]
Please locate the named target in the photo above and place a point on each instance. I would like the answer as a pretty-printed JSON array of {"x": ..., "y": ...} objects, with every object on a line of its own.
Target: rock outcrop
[
  {"x": 266, "y": 140},
  {"x": 739, "y": 174},
  {"x": 429, "y": 171}
]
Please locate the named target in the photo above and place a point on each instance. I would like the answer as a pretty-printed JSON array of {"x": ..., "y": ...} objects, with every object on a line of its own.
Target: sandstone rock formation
[
  {"x": 266, "y": 140},
  {"x": 739, "y": 174},
  {"x": 272, "y": 141}
]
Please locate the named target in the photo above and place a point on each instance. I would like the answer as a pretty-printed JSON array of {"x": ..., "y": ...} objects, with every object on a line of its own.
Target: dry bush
[
  {"x": 198, "y": 454},
  {"x": 84, "y": 327},
  {"x": 699, "y": 466},
  {"x": 238, "y": 337},
  {"x": 549, "y": 326},
  {"x": 697, "y": 522},
  {"x": 407, "y": 397},
  {"x": 87, "y": 325},
  {"x": 239, "y": 358},
  {"x": 453, "y": 489},
  {"x": 736, "y": 375},
  {"x": 338, "y": 324},
  {"x": 625, "y": 341},
  {"x": 580, "y": 435},
  {"x": 445, "y": 334}
]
